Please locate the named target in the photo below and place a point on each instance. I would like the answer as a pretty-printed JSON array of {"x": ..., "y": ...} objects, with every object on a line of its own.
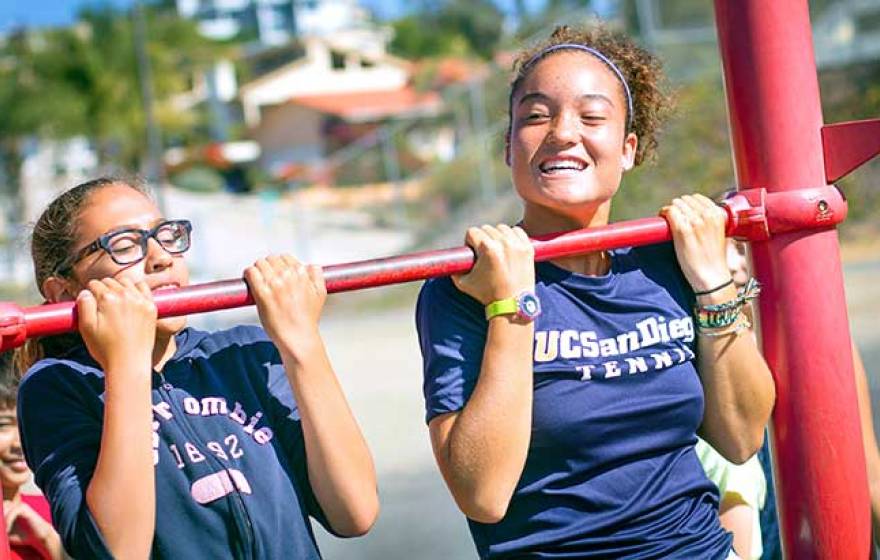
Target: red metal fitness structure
[{"x": 785, "y": 161}]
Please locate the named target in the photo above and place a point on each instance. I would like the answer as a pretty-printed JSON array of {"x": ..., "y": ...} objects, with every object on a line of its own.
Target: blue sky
[{"x": 40, "y": 13}]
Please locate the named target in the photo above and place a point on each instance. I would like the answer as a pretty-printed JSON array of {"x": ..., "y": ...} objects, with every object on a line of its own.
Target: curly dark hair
[{"x": 642, "y": 70}]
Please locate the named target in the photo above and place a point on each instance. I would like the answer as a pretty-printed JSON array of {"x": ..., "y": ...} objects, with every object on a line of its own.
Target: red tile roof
[{"x": 373, "y": 105}]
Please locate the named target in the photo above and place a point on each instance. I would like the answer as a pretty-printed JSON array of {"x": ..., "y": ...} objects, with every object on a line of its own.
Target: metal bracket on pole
[
  {"x": 848, "y": 145},
  {"x": 755, "y": 214}
]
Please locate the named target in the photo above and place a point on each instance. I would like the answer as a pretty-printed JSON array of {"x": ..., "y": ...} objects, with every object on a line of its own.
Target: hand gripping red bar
[{"x": 752, "y": 214}]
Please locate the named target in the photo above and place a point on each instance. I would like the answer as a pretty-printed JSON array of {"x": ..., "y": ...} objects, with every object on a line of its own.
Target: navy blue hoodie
[{"x": 229, "y": 456}]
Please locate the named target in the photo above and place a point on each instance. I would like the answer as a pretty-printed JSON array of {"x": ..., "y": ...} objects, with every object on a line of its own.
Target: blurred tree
[
  {"x": 31, "y": 105},
  {"x": 100, "y": 65},
  {"x": 450, "y": 27},
  {"x": 83, "y": 80}
]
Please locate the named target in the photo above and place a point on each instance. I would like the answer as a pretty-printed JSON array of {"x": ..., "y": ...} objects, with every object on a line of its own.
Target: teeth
[{"x": 562, "y": 165}]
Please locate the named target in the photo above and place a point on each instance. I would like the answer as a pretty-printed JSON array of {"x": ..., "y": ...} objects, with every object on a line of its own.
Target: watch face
[{"x": 529, "y": 306}]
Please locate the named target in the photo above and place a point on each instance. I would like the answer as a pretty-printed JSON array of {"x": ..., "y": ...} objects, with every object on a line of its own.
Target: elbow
[
  {"x": 485, "y": 507},
  {"x": 359, "y": 520},
  {"x": 743, "y": 448}
]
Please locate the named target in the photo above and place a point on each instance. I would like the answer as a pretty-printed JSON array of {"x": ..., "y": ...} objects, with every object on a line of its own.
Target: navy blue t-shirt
[
  {"x": 611, "y": 470},
  {"x": 230, "y": 466}
]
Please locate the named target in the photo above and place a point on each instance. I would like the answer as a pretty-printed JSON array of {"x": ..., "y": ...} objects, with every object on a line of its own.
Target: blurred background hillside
[
  {"x": 390, "y": 113},
  {"x": 340, "y": 130}
]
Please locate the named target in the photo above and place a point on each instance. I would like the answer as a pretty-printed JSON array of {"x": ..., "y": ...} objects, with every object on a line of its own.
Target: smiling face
[
  {"x": 115, "y": 207},
  {"x": 568, "y": 146},
  {"x": 13, "y": 469}
]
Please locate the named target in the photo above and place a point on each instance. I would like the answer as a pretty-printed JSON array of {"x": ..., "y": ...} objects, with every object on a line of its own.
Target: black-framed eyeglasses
[{"x": 129, "y": 246}]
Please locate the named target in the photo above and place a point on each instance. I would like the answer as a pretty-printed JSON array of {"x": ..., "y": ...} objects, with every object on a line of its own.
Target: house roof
[{"x": 373, "y": 105}]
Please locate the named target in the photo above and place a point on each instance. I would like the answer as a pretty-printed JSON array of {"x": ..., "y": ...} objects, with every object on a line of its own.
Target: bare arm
[
  {"x": 117, "y": 322},
  {"x": 481, "y": 450},
  {"x": 737, "y": 384},
  {"x": 289, "y": 298},
  {"x": 872, "y": 455},
  {"x": 738, "y": 388}
]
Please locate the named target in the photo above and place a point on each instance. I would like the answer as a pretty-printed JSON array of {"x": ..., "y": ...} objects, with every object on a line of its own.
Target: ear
[
  {"x": 507, "y": 147},
  {"x": 628, "y": 155},
  {"x": 56, "y": 289}
]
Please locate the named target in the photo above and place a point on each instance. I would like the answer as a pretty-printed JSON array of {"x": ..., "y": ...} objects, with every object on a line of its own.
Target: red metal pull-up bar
[{"x": 751, "y": 215}]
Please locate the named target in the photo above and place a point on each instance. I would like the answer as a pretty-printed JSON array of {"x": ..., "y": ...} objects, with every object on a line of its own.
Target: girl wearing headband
[{"x": 564, "y": 398}]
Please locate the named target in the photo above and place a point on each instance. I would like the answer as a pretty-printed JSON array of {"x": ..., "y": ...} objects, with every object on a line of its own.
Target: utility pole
[{"x": 154, "y": 169}]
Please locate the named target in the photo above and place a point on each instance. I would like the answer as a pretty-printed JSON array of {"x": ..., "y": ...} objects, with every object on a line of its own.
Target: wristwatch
[{"x": 525, "y": 306}]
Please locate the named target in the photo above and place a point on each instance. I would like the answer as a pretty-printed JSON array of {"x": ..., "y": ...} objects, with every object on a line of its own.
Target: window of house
[{"x": 337, "y": 60}]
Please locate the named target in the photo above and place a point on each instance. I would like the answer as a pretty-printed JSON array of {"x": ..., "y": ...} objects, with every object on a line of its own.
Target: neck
[
  {"x": 542, "y": 221},
  {"x": 163, "y": 349}
]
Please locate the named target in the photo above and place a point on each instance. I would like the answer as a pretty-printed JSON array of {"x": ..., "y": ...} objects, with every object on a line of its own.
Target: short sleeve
[
  {"x": 745, "y": 480},
  {"x": 60, "y": 418},
  {"x": 452, "y": 336}
]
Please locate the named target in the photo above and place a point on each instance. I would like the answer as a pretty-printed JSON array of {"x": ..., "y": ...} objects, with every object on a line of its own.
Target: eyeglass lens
[{"x": 130, "y": 246}]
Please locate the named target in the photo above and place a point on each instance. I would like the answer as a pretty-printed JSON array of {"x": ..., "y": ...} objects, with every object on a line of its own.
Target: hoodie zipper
[{"x": 239, "y": 510}]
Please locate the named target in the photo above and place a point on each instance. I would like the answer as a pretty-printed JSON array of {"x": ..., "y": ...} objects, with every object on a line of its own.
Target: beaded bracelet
[
  {"x": 720, "y": 315},
  {"x": 735, "y": 329}
]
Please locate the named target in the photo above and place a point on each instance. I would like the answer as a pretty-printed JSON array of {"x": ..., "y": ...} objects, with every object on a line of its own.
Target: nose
[
  {"x": 157, "y": 258},
  {"x": 15, "y": 444},
  {"x": 565, "y": 128}
]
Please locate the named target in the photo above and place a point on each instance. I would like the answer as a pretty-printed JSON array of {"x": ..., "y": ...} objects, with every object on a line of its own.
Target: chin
[
  {"x": 11, "y": 479},
  {"x": 170, "y": 325}
]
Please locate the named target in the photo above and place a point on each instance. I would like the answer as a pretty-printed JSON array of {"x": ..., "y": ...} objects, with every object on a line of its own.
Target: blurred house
[
  {"x": 272, "y": 22},
  {"x": 50, "y": 167},
  {"x": 847, "y": 33},
  {"x": 336, "y": 91}
]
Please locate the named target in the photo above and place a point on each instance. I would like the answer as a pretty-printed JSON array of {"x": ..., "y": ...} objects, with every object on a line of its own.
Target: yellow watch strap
[{"x": 502, "y": 307}]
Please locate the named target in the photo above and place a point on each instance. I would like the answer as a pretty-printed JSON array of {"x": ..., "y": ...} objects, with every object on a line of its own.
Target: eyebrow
[
  {"x": 538, "y": 96},
  {"x": 126, "y": 227}
]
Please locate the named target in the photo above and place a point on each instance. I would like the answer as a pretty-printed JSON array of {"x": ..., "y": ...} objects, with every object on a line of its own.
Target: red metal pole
[{"x": 776, "y": 122}]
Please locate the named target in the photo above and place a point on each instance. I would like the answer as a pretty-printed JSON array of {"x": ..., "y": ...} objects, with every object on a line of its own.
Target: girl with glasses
[
  {"x": 564, "y": 398},
  {"x": 153, "y": 439}
]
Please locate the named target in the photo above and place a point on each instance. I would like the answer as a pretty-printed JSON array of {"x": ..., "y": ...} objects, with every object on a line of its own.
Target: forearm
[
  {"x": 484, "y": 454},
  {"x": 121, "y": 495},
  {"x": 340, "y": 466},
  {"x": 739, "y": 392},
  {"x": 872, "y": 455},
  {"x": 52, "y": 543},
  {"x": 736, "y": 517}
]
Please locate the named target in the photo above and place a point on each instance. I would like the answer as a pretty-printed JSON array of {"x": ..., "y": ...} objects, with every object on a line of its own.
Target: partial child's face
[
  {"x": 13, "y": 469},
  {"x": 737, "y": 262},
  {"x": 568, "y": 145},
  {"x": 115, "y": 207}
]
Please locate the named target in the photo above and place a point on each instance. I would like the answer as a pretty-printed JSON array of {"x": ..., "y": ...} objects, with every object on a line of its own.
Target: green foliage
[
  {"x": 199, "y": 179},
  {"x": 84, "y": 80},
  {"x": 693, "y": 155},
  {"x": 454, "y": 27}
]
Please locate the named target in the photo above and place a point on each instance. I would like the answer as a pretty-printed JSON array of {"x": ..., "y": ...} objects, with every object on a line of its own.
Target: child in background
[
  {"x": 743, "y": 491},
  {"x": 28, "y": 523}
]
